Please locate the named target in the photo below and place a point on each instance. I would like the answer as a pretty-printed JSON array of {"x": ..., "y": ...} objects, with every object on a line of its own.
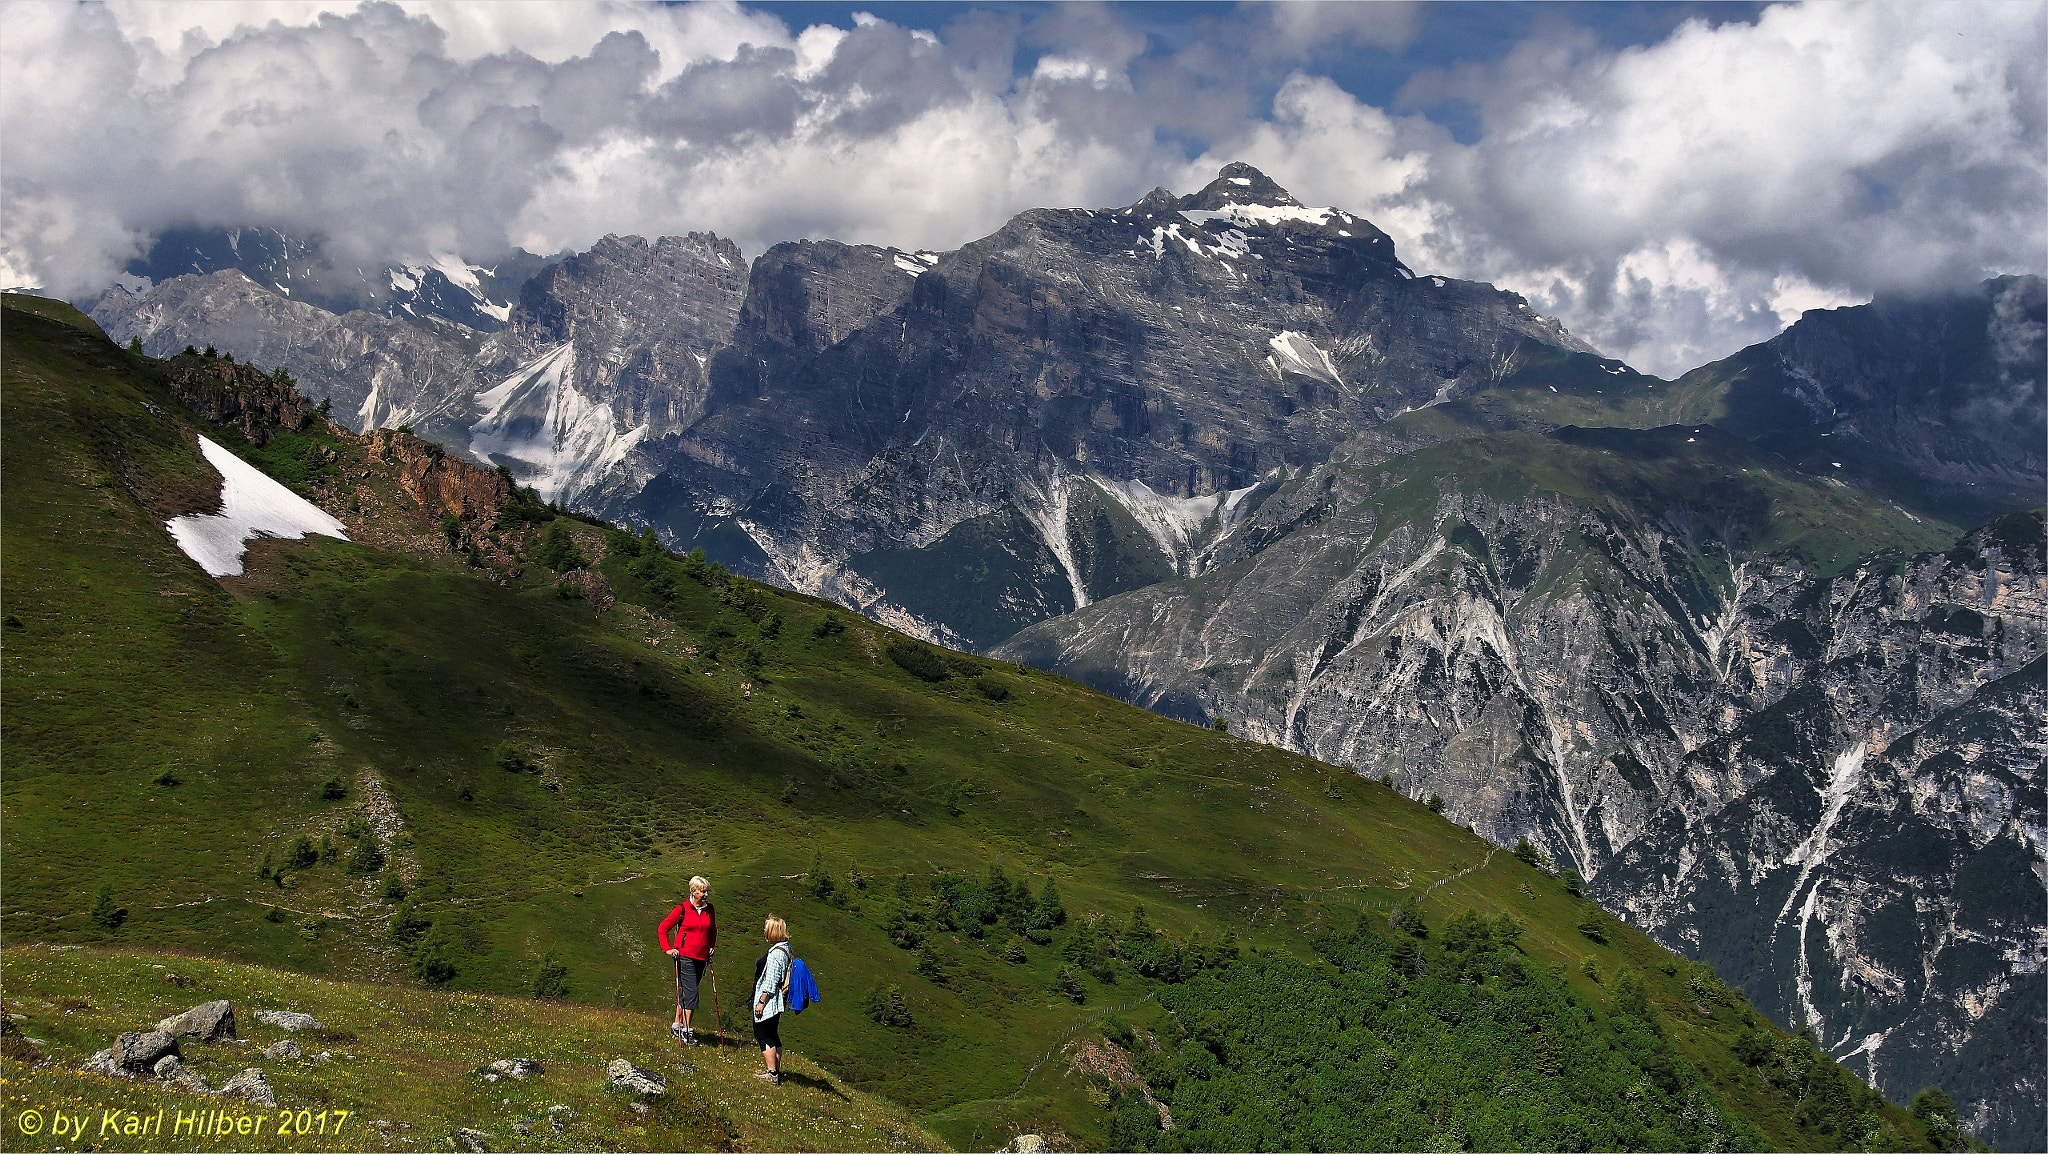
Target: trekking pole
[{"x": 717, "y": 1011}]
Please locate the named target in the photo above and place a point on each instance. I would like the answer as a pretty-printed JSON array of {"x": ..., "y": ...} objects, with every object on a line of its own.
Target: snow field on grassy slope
[{"x": 251, "y": 505}]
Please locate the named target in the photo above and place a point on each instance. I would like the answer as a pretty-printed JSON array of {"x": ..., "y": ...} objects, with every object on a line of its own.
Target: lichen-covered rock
[
  {"x": 626, "y": 1076},
  {"x": 282, "y": 1050},
  {"x": 472, "y": 1141},
  {"x": 289, "y": 1020},
  {"x": 172, "y": 1069},
  {"x": 518, "y": 1067},
  {"x": 250, "y": 1086},
  {"x": 137, "y": 1053}
]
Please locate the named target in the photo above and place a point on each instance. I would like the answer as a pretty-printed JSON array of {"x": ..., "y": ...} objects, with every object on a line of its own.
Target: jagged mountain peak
[{"x": 1240, "y": 183}]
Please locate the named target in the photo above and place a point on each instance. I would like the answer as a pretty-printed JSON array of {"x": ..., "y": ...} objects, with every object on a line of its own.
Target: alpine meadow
[{"x": 741, "y": 575}]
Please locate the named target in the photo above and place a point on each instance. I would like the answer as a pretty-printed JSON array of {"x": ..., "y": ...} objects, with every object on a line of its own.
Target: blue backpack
[{"x": 800, "y": 989}]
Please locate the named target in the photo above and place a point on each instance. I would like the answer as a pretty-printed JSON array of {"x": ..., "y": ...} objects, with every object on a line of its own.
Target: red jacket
[{"x": 696, "y": 933}]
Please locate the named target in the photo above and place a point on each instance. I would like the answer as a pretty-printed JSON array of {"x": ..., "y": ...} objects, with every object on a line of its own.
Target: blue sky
[{"x": 1673, "y": 181}]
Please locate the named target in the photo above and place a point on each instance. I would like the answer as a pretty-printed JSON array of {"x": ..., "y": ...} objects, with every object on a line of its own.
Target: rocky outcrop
[
  {"x": 172, "y": 1070},
  {"x": 585, "y": 585},
  {"x": 238, "y": 396},
  {"x": 443, "y": 484},
  {"x": 283, "y": 1050}
]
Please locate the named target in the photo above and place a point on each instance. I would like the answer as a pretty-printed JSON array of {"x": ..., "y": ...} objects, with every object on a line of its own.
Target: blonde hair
[
  {"x": 700, "y": 883},
  {"x": 775, "y": 929}
]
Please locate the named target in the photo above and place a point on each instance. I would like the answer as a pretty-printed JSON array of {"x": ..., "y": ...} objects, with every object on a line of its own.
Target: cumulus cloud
[
  {"x": 1675, "y": 201},
  {"x": 1670, "y": 202}
]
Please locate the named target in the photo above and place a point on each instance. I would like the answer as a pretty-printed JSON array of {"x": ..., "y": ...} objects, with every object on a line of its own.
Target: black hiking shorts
[{"x": 689, "y": 972}]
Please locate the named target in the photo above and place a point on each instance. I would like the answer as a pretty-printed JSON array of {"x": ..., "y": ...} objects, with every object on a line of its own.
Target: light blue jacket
[{"x": 772, "y": 976}]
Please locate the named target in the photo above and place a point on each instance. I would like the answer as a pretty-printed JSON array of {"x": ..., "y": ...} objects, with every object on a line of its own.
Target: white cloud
[{"x": 1670, "y": 203}]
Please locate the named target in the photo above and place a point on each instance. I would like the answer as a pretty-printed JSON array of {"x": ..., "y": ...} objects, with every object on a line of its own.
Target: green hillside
[{"x": 539, "y": 772}]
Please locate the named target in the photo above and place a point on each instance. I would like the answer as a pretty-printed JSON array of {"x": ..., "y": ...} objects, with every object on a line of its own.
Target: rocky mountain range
[{"x": 1719, "y": 643}]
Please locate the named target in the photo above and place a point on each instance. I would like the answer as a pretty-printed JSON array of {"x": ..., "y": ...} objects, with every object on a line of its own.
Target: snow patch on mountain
[
  {"x": 554, "y": 437},
  {"x": 1295, "y": 353},
  {"x": 1257, "y": 215},
  {"x": 251, "y": 505},
  {"x": 1180, "y": 526},
  {"x": 915, "y": 263},
  {"x": 1045, "y": 506}
]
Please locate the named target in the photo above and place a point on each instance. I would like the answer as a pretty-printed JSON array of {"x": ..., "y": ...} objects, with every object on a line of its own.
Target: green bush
[
  {"x": 558, "y": 549},
  {"x": 366, "y": 860},
  {"x": 300, "y": 853},
  {"x": 919, "y": 660},
  {"x": 333, "y": 789},
  {"x": 885, "y": 1006},
  {"x": 1068, "y": 983},
  {"x": 551, "y": 979},
  {"x": 105, "y": 913}
]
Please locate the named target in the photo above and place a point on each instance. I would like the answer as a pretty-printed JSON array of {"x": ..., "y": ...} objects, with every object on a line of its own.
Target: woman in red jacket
[{"x": 695, "y": 923}]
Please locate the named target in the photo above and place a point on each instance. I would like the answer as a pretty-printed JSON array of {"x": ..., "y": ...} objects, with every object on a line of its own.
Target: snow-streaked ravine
[
  {"x": 538, "y": 418},
  {"x": 251, "y": 505}
]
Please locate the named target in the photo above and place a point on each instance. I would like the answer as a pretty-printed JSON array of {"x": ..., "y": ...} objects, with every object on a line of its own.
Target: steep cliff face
[
  {"x": 605, "y": 352},
  {"x": 1628, "y": 648},
  {"x": 1880, "y": 873},
  {"x": 1063, "y": 407},
  {"x": 1938, "y": 402},
  {"x": 378, "y": 372},
  {"x": 435, "y": 290}
]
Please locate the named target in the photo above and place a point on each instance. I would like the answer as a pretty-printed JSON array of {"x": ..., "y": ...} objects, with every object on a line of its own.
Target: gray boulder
[
  {"x": 102, "y": 1062},
  {"x": 289, "y": 1020},
  {"x": 208, "y": 1021},
  {"x": 471, "y": 1141},
  {"x": 137, "y": 1053},
  {"x": 627, "y": 1076},
  {"x": 173, "y": 1071},
  {"x": 518, "y": 1067},
  {"x": 250, "y": 1086},
  {"x": 282, "y": 1051}
]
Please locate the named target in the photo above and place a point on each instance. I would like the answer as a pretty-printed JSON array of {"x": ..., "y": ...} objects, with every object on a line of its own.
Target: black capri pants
[
  {"x": 689, "y": 971},
  {"x": 768, "y": 1032}
]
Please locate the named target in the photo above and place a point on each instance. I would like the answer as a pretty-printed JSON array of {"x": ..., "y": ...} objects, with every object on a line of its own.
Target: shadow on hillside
[{"x": 805, "y": 1080}]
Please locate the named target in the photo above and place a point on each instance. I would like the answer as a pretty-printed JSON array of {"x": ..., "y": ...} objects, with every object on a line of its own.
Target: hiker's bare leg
[{"x": 773, "y": 1057}]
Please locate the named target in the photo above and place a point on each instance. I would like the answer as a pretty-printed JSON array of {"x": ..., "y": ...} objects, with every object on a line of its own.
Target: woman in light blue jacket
[{"x": 771, "y": 978}]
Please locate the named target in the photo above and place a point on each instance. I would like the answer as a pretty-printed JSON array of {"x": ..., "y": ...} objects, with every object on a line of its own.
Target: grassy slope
[
  {"x": 416, "y": 1057},
  {"x": 410, "y": 671}
]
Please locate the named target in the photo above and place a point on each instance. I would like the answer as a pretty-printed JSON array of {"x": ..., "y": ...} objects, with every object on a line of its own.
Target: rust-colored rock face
[
  {"x": 240, "y": 396},
  {"x": 443, "y": 483}
]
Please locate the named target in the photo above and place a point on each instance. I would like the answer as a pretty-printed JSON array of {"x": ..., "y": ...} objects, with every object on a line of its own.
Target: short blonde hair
[
  {"x": 700, "y": 883},
  {"x": 775, "y": 929}
]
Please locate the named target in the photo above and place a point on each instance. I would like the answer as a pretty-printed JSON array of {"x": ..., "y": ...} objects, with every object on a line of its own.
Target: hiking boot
[
  {"x": 676, "y": 1031},
  {"x": 688, "y": 1036},
  {"x": 773, "y": 1078}
]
